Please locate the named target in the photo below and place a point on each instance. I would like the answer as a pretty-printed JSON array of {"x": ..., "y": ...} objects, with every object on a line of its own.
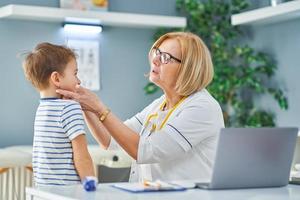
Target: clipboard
[{"x": 157, "y": 186}]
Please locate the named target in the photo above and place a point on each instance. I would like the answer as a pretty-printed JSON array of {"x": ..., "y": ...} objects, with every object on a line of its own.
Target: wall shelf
[
  {"x": 52, "y": 14},
  {"x": 267, "y": 15}
]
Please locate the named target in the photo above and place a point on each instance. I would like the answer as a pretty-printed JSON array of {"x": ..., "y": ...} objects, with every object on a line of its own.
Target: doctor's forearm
[
  {"x": 99, "y": 132},
  {"x": 127, "y": 138}
]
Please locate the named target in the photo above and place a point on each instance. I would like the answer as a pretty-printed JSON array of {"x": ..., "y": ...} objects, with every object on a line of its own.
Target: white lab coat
[{"x": 184, "y": 148}]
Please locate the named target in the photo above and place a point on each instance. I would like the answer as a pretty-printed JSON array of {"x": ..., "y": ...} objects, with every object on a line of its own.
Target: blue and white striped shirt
[{"x": 57, "y": 123}]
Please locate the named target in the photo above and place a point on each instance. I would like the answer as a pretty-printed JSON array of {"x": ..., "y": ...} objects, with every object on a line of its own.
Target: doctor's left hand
[{"x": 87, "y": 99}]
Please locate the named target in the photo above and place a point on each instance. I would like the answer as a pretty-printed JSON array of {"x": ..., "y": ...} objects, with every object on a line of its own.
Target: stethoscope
[{"x": 150, "y": 117}]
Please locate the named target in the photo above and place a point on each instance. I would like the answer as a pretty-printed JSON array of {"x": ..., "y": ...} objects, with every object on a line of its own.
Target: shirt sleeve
[
  {"x": 72, "y": 120},
  {"x": 135, "y": 123},
  {"x": 187, "y": 129}
]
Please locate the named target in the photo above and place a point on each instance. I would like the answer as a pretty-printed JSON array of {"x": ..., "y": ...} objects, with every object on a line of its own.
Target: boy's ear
[{"x": 55, "y": 79}]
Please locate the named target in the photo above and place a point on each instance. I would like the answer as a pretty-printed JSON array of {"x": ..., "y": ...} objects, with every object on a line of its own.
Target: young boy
[{"x": 60, "y": 155}]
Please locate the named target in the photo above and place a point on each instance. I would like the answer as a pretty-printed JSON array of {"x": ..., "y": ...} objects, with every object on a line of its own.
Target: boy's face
[{"x": 69, "y": 79}]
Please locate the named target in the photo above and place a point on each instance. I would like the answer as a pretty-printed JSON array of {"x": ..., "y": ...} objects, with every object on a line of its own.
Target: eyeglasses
[{"x": 164, "y": 57}]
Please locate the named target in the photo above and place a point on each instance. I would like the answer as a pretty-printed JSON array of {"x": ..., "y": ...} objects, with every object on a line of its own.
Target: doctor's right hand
[{"x": 88, "y": 100}]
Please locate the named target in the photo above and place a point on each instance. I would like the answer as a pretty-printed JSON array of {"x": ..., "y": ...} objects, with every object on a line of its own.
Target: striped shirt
[{"x": 57, "y": 123}]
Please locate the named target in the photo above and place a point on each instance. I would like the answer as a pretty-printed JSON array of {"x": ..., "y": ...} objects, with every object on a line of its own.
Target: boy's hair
[{"x": 45, "y": 59}]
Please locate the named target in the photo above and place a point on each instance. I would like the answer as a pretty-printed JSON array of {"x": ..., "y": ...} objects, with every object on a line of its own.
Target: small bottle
[{"x": 90, "y": 183}]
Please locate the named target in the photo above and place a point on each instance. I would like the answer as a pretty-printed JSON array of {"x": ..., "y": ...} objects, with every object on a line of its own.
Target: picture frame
[{"x": 97, "y": 5}]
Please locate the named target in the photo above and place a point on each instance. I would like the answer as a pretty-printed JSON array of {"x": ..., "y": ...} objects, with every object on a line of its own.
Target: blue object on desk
[{"x": 90, "y": 183}]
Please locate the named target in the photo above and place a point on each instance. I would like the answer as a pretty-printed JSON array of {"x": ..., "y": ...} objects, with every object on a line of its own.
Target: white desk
[{"x": 105, "y": 192}]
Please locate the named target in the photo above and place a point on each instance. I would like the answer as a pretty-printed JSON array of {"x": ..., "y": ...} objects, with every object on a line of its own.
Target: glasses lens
[
  {"x": 165, "y": 58},
  {"x": 155, "y": 52}
]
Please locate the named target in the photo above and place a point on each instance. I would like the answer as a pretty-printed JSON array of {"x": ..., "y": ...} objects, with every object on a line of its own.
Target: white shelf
[
  {"x": 51, "y": 14},
  {"x": 281, "y": 12}
]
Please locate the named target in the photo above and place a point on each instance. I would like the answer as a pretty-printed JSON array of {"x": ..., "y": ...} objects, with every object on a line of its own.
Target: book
[{"x": 100, "y": 5}]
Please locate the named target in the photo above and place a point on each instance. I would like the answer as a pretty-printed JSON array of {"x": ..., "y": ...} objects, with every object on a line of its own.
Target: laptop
[{"x": 252, "y": 158}]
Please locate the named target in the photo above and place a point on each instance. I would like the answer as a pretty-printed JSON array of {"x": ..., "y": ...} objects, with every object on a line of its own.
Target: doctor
[{"x": 173, "y": 138}]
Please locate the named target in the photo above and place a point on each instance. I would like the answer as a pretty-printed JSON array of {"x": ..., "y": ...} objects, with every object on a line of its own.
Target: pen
[{"x": 152, "y": 184}]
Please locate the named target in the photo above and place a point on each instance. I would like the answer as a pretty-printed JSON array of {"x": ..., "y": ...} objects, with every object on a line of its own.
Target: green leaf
[{"x": 150, "y": 88}]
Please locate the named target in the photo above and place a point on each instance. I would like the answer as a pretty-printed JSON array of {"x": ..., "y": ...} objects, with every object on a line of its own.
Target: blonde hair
[
  {"x": 196, "y": 69},
  {"x": 45, "y": 59}
]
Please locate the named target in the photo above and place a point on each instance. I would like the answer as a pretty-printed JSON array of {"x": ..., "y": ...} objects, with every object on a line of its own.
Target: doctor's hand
[{"x": 87, "y": 99}]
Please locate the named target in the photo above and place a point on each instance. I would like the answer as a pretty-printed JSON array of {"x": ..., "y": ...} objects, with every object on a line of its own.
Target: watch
[{"x": 103, "y": 115}]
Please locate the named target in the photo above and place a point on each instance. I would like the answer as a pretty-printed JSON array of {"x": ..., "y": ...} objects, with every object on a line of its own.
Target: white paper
[{"x": 87, "y": 62}]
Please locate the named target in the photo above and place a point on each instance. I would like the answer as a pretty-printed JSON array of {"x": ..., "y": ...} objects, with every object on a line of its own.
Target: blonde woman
[{"x": 173, "y": 138}]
